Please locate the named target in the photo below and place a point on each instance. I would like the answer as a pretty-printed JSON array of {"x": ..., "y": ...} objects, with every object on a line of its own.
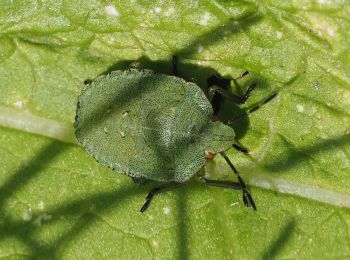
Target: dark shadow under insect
[{"x": 219, "y": 88}]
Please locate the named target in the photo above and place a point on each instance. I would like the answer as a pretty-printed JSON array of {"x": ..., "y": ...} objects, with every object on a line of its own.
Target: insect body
[{"x": 152, "y": 126}]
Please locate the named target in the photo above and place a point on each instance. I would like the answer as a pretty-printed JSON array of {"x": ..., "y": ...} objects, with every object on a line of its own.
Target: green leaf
[{"x": 57, "y": 202}]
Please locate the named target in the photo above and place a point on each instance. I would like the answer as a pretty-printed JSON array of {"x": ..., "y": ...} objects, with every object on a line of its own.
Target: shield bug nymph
[{"x": 158, "y": 127}]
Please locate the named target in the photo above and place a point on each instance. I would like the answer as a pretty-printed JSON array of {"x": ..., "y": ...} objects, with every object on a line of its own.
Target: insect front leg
[{"x": 219, "y": 86}]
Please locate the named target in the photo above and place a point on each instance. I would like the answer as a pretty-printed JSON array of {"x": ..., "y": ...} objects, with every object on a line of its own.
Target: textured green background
[{"x": 57, "y": 202}]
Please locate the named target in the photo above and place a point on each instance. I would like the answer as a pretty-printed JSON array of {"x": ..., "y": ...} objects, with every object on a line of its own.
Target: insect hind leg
[
  {"x": 247, "y": 197},
  {"x": 156, "y": 191}
]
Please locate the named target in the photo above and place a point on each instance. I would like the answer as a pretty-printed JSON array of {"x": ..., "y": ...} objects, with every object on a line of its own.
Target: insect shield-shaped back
[{"x": 148, "y": 125}]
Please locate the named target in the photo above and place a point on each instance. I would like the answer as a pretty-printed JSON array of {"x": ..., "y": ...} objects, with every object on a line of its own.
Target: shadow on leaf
[
  {"x": 85, "y": 208},
  {"x": 277, "y": 246},
  {"x": 295, "y": 156}
]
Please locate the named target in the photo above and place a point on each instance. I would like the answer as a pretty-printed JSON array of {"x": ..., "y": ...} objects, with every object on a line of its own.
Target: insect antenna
[
  {"x": 253, "y": 109},
  {"x": 247, "y": 198}
]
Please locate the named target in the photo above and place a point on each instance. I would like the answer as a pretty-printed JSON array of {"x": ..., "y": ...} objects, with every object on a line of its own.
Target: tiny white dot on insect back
[{"x": 110, "y": 10}]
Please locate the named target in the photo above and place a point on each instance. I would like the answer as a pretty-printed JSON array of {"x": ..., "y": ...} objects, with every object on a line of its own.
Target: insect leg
[
  {"x": 219, "y": 86},
  {"x": 254, "y": 108},
  {"x": 222, "y": 184},
  {"x": 156, "y": 191},
  {"x": 247, "y": 198},
  {"x": 219, "y": 83},
  {"x": 240, "y": 149}
]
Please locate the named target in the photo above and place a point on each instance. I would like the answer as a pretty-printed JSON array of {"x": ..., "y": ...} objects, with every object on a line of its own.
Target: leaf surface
[{"x": 57, "y": 202}]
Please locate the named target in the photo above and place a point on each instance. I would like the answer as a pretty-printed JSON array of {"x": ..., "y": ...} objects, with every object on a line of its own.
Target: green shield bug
[{"x": 158, "y": 127}]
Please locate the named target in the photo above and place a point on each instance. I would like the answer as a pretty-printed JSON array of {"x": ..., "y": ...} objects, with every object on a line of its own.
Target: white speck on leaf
[
  {"x": 42, "y": 217},
  {"x": 199, "y": 48},
  {"x": 330, "y": 31},
  {"x": 122, "y": 133},
  {"x": 205, "y": 19},
  {"x": 322, "y": 1},
  {"x": 19, "y": 103},
  {"x": 300, "y": 108},
  {"x": 299, "y": 211},
  {"x": 234, "y": 204},
  {"x": 193, "y": 4},
  {"x": 154, "y": 243},
  {"x": 317, "y": 85},
  {"x": 26, "y": 216},
  {"x": 110, "y": 10},
  {"x": 279, "y": 35},
  {"x": 170, "y": 11},
  {"x": 157, "y": 10},
  {"x": 41, "y": 205},
  {"x": 166, "y": 211},
  {"x": 346, "y": 96}
]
